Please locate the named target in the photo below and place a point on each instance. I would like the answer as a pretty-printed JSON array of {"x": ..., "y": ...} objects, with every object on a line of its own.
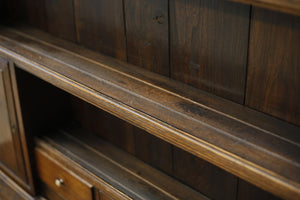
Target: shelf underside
[{"x": 258, "y": 148}]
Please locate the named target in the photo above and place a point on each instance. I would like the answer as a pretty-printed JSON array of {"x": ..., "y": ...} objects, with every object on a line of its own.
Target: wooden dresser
[{"x": 149, "y": 99}]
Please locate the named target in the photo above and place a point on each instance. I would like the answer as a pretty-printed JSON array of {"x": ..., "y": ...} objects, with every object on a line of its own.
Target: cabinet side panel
[
  {"x": 274, "y": 72},
  {"x": 7, "y": 151},
  {"x": 209, "y": 42}
]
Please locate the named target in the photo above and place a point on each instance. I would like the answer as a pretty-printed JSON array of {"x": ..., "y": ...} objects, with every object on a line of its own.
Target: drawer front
[{"x": 60, "y": 179}]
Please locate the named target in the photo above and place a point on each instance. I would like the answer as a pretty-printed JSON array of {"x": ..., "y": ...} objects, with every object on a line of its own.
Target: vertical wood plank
[
  {"x": 210, "y": 180},
  {"x": 147, "y": 34},
  {"x": 154, "y": 151},
  {"x": 274, "y": 73},
  {"x": 247, "y": 191},
  {"x": 60, "y": 18},
  {"x": 30, "y": 12},
  {"x": 100, "y": 26},
  {"x": 209, "y": 40},
  {"x": 105, "y": 125},
  {"x": 147, "y": 29}
]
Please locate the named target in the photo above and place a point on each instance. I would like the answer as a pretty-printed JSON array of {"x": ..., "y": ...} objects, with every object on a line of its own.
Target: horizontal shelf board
[
  {"x": 258, "y": 148},
  {"x": 117, "y": 168},
  {"x": 285, "y": 6}
]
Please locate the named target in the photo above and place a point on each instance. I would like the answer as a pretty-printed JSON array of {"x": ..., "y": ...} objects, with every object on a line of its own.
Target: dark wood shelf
[
  {"x": 286, "y": 6},
  {"x": 258, "y": 148},
  {"x": 115, "y": 167}
]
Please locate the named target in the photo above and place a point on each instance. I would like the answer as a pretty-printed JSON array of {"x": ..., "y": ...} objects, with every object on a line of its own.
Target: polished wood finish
[
  {"x": 11, "y": 154},
  {"x": 273, "y": 77},
  {"x": 65, "y": 160},
  {"x": 50, "y": 171},
  {"x": 233, "y": 49},
  {"x": 247, "y": 146},
  {"x": 103, "y": 29},
  {"x": 209, "y": 51}
]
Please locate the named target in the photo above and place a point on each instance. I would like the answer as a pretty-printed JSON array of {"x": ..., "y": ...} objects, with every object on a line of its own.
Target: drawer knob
[{"x": 59, "y": 182}]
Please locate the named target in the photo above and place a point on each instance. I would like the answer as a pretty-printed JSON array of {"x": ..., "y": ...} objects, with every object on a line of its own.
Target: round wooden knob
[{"x": 59, "y": 182}]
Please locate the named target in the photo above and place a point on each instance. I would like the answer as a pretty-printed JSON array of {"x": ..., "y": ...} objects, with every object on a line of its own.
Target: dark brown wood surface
[
  {"x": 274, "y": 72},
  {"x": 117, "y": 168},
  {"x": 73, "y": 187},
  {"x": 76, "y": 168},
  {"x": 103, "y": 124},
  {"x": 247, "y": 191},
  {"x": 14, "y": 158},
  {"x": 209, "y": 50},
  {"x": 147, "y": 31},
  {"x": 242, "y": 147},
  {"x": 286, "y": 6},
  {"x": 60, "y": 18},
  {"x": 100, "y": 26},
  {"x": 210, "y": 180},
  {"x": 8, "y": 154},
  {"x": 103, "y": 196},
  {"x": 9, "y": 190},
  {"x": 154, "y": 151},
  {"x": 33, "y": 12}
]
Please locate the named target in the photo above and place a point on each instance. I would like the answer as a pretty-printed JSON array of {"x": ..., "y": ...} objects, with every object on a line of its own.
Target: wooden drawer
[{"x": 60, "y": 179}]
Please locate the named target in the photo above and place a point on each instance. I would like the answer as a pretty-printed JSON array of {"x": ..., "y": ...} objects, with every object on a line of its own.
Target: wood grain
[
  {"x": 31, "y": 12},
  {"x": 209, "y": 42},
  {"x": 60, "y": 18},
  {"x": 286, "y": 6},
  {"x": 8, "y": 154},
  {"x": 240, "y": 147},
  {"x": 210, "y": 180},
  {"x": 274, "y": 73},
  {"x": 103, "y": 124},
  {"x": 102, "y": 29},
  {"x": 117, "y": 168},
  {"x": 9, "y": 190},
  {"x": 73, "y": 186},
  {"x": 147, "y": 27},
  {"x": 154, "y": 151},
  {"x": 247, "y": 191}
]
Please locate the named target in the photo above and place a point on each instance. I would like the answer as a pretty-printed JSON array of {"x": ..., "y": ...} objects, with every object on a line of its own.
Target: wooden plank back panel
[
  {"x": 30, "y": 11},
  {"x": 60, "y": 18},
  {"x": 100, "y": 26},
  {"x": 210, "y": 180},
  {"x": 247, "y": 191},
  {"x": 209, "y": 41},
  {"x": 154, "y": 151},
  {"x": 274, "y": 72},
  {"x": 147, "y": 34},
  {"x": 148, "y": 47},
  {"x": 104, "y": 125}
]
